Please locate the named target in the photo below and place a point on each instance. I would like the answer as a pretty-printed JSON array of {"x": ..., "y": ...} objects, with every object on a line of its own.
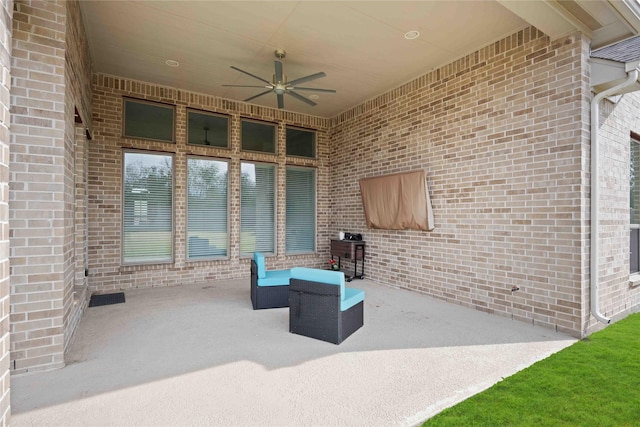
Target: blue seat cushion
[
  {"x": 262, "y": 268},
  {"x": 352, "y": 297},
  {"x": 275, "y": 278}
]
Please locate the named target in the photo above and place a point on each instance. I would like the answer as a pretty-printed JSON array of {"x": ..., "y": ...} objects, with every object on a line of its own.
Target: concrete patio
[{"x": 199, "y": 355}]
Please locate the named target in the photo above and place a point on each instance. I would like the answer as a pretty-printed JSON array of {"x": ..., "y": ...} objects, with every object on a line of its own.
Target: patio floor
[{"x": 199, "y": 355}]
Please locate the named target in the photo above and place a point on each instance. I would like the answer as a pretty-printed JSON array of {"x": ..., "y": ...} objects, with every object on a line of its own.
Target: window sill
[{"x": 634, "y": 280}]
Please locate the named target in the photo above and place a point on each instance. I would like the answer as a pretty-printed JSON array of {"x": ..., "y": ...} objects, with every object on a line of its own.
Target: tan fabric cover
[{"x": 397, "y": 202}]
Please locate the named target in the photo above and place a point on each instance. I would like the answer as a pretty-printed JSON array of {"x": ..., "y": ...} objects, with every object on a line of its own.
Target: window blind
[
  {"x": 257, "y": 208},
  {"x": 301, "y": 210},
  {"x": 206, "y": 208},
  {"x": 148, "y": 208}
]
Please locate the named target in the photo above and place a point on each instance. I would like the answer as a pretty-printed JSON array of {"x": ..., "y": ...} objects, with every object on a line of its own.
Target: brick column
[
  {"x": 37, "y": 192},
  {"x": 5, "y": 83}
]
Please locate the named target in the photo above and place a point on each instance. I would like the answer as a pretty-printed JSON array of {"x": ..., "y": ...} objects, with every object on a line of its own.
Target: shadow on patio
[{"x": 199, "y": 355}]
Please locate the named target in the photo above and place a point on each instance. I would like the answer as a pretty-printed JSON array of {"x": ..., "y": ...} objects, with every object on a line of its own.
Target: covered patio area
[{"x": 199, "y": 355}]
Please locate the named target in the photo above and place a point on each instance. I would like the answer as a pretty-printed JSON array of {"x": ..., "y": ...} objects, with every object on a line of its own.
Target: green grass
[{"x": 595, "y": 382}]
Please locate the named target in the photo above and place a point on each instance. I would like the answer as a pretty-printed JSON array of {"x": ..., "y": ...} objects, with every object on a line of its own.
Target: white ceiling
[{"x": 360, "y": 45}]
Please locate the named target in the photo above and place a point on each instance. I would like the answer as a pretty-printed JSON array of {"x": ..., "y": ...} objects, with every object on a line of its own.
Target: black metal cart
[{"x": 353, "y": 250}]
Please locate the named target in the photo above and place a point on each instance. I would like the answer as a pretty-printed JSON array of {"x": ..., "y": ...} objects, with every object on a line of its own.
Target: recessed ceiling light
[
  {"x": 171, "y": 63},
  {"x": 313, "y": 97},
  {"x": 413, "y": 34}
]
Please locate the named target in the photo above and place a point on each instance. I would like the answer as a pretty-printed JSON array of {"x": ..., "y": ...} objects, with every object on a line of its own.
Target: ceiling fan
[{"x": 280, "y": 86}]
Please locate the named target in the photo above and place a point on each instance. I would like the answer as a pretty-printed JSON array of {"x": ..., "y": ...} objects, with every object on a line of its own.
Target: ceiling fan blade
[
  {"x": 302, "y": 98},
  {"x": 280, "y": 100},
  {"x": 249, "y": 74},
  {"x": 306, "y": 79},
  {"x": 260, "y": 94},
  {"x": 278, "y": 65},
  {"x": 313, "y": 89},
  {"x": 261, "y": 87}
]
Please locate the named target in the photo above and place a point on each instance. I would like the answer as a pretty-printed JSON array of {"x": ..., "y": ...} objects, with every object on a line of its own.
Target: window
[
  {"x": 148, "y": 208},
  {"x": 206, "y": 208},
  {"x": 301, "y": 210},
  {"x": 634, "y": 198},
  {"x": 258, "y": 136},
  {"x": 257, "y": 208},
  {"x": 148, "y": 120},
  {"x": 301, "y": 142},
  {"x": 207, "y": 129}
]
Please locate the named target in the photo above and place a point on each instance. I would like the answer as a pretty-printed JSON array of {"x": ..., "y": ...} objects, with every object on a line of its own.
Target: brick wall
[
  {"x": 617, "y": 121},
  {"x": 5, "y": 86},
  {"x": 500, "y": 135},
  {"x": 105, "y": 186}
]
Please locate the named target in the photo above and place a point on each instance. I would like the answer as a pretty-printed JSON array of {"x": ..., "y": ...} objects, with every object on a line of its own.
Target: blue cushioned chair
[
  {"x": 269, "y": 289},
  {"x": 321, "y": 307}
]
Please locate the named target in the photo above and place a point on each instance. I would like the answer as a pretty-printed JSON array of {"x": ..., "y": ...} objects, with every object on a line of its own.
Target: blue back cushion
[
  {"x": 322, "y": 276},
  {"x": 275, "y": 278},
  {"x": 262, "y": 268}
]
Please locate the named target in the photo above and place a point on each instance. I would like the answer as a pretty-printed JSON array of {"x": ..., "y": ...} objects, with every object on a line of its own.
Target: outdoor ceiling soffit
[{"x": 558, "y": 18}]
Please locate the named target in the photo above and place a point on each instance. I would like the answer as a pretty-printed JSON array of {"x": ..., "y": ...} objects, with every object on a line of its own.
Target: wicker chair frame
[
  {"x": 314, "y": 312},
  {"x": 267, "y": 296}
]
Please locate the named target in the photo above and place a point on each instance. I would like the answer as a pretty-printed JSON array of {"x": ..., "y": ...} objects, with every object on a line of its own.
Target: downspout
[{"x": 632, "y": 77}]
